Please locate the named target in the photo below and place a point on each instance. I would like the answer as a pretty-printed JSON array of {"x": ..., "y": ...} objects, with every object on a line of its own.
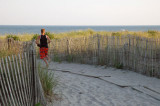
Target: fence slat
[
  {"x": 17, "y": 82},
  {"x": 31, "y": 77},
  {"x": 25, "y": 78},
  {"x": 10, "y": 81},
  {"x": 4, "y": 87},
  {"x": 4, "y": 101},
  {"x": 8, "y": 90},
  {"x": 20, "y": 79},
  {"x": 28, "y": 77},
  {"x": 14, "y": 82}
]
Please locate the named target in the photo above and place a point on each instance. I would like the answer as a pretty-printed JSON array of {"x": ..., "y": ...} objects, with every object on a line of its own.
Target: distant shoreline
[
  {"x": 33, "y": 29},
  {"x": 79, "y": 25}
]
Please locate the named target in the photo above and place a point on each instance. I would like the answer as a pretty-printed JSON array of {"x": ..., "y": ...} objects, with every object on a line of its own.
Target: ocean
[{"x": 21, "y": 29}]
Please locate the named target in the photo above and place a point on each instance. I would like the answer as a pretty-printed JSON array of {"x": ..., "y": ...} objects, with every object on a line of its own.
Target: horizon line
[{"x": 78, "y": 25}]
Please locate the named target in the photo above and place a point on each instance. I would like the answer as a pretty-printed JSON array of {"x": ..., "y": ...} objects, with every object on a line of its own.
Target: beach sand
[{"x": 89, "y": 85}]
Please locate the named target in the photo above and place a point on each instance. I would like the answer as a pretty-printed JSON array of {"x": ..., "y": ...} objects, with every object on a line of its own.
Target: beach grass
[
  {"x": 72, "y": 34},
  {"x": 48, "y": 81},
  {"x": 9, "y": 49},
  {"x": 88, "y": 32}
]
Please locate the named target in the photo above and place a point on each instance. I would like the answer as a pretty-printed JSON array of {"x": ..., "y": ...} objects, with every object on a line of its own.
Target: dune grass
[
  {"x": 48, "y": 81},
  {"x": 82, "y": 33},
  {"x": 9, "y": 49},
  {"x": 73, "y": 34}
]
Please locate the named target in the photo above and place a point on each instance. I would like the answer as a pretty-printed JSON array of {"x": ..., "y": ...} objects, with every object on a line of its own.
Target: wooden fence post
[
  {"x": 9, "y": 43},
  {"x": 68, "y": 44},
  {"x": 129, "y": 46},
  {"x": 98, "y": 48},
  {"x": 146, "y": 63},
  {"x": 33, "y": 76}
]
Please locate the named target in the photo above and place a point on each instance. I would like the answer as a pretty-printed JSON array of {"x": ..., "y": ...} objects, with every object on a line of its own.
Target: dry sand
[{"x": 89, "y": 85}]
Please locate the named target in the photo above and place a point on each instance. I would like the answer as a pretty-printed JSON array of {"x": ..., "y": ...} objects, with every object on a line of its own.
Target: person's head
[{"x": 43, "y": 31}]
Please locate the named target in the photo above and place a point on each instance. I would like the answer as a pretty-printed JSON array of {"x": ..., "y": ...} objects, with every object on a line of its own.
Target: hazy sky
[{"x": 79, "y": 12}]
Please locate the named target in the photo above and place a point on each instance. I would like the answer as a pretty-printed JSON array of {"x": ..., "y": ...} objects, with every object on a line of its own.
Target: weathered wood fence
[
  {"x": 129, "y": 52},
  {"x": 19, "y": 80},
  {"x": 9, "y": 46},
  {"x": 11, "y": 43}
]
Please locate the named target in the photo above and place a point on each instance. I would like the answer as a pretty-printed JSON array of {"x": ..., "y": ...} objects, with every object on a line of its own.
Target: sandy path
[{"x": 87, "y": 85}]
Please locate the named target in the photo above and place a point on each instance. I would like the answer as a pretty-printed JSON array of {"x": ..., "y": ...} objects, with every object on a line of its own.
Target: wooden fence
[
  {"x": 19, "y": 80},
  {"x": 8, "y": 47},
  {"x": 129, "y": 52}
]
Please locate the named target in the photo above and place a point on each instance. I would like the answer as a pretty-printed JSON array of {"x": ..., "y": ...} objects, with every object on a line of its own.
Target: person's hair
[{"x": 42, "y": 30}]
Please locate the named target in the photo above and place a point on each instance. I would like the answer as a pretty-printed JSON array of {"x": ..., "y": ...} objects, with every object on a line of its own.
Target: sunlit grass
[
  {"x": 10, "y": 52},
  {"x": 75, "y": 34},
  {"x": 26, "y": 37},
  {"x": 2, "y": 37},
  {"x": 88, "y": 32}
]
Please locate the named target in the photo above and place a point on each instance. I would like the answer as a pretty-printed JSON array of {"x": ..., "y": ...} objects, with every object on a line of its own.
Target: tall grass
[
  {"x": 4, "y": 51},
  {"x": 14, "y": 37},
  {"x": 139, "y": 53},
  {"x": 48, "y": 80},
  {"x": 88, "y": 32},
  {"x": 11, "y": 49}
]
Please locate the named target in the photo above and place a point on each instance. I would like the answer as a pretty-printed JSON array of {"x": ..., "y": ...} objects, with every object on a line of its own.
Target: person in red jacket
[{"x": 44, "y": 40}]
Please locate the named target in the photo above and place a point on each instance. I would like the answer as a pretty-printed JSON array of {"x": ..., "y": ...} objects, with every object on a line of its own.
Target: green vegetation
[
  {"x": 50, "y": 35},
  {"x": 14, "y": 37},
  {"x": 35, "y": 36},
  {"x": 73, "y": 34},
  {"x": 152, "y": 33},
  {"x": 118, "y": 65},
  {"x": 56, "y": 58},
  {"x": 38, "y": 104},
  {"x": 48, "y": 80},
  {"x": 116, "y": 34},
  {"x": 69, "y": 58},
  {"x": 82, "y": 33}
]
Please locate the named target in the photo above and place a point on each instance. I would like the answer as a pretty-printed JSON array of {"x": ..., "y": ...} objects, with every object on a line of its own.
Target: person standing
[{"x": 44, "y": 40}]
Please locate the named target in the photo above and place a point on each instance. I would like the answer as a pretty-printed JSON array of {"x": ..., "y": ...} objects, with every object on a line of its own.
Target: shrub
[
  {"x": 50, "y": 35},
  {"x": 152, "y": 32},
  {"x": 14, "y": 37},
  {"x": 116, "y": 34},
  {"x": 35, "y": 36},
  {"x": 90, "y": 31},
  {"x": 118, "y": 65}
]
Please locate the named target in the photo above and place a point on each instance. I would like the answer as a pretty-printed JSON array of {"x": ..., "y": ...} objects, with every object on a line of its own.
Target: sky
[{"x": 79, "y": 12}]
